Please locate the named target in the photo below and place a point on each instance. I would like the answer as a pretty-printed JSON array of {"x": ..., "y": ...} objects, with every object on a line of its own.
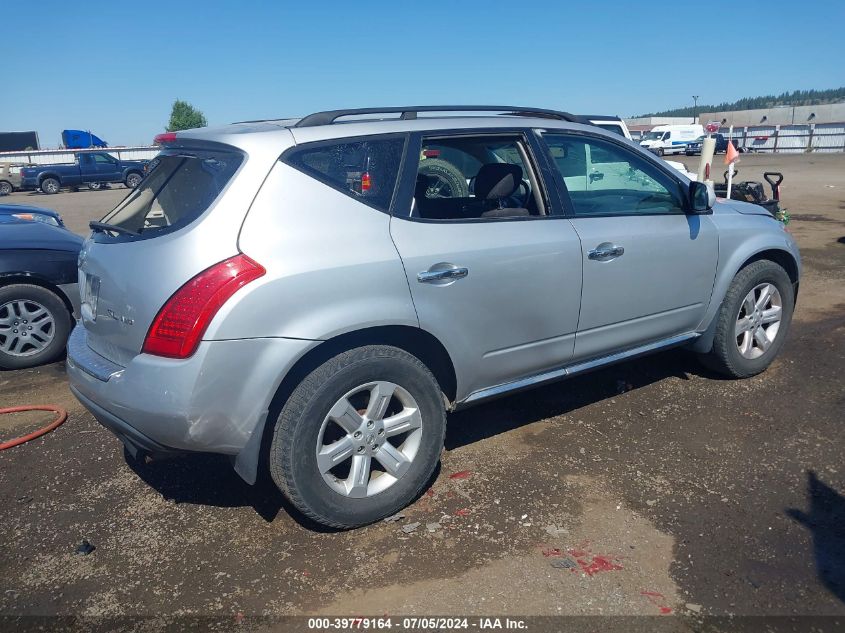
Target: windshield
[
  {"x": 653, "y": 136},
  {"x": 176, "y": 190}
]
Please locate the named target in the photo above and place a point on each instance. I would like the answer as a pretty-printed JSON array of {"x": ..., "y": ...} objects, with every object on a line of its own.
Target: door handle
[
  {"x": 436, "y": 274},
  {"x": 605, "y": 252}
]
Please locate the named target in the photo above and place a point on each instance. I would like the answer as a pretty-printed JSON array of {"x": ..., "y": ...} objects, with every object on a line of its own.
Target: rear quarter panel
[{"x": 331, "y": 265}]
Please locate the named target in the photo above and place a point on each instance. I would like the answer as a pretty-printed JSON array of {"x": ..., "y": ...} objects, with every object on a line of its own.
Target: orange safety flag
[{"x": 731, "y": 155}]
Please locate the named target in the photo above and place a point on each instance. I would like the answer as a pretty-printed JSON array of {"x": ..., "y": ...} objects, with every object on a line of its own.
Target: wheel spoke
[
  {"x": 333, "y": 454},
  {"x": 406, "y": 420},
  {"x": 380, "y": 396},
  {"x": 346, "y": 416},
  {"x": 772, "y": 315},
  {"x": 359, "y": 476},
  {"x": 762, "y": 340},
  {"x": 765, "y": 295},
  {"x": 742, "y": 325},
  {"x": 747, "y": 343},
  {"x": 748, "y": 303},
  {"x": 394, "y": 461}
]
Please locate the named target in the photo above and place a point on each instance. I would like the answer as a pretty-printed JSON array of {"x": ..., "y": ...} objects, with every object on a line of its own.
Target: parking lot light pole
[{"x": 694, "y": 108}]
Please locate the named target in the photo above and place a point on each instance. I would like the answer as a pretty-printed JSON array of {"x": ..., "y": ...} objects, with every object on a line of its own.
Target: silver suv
[{"x": 315, "y": 294}]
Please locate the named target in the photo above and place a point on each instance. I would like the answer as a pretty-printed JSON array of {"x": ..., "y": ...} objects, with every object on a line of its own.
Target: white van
[
  {"x": 609, "y": 123},
  {"x": 671, "y": 139}
]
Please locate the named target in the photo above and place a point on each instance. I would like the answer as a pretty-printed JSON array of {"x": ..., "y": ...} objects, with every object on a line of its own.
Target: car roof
[{"x": 367, "y": 121}]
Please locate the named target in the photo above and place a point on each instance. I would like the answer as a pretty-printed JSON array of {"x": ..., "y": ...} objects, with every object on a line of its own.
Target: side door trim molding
[{"x": 566, "y": 371}]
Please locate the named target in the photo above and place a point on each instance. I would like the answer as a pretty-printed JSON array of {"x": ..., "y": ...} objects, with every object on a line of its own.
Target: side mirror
[{"x": 702, "y": 198}]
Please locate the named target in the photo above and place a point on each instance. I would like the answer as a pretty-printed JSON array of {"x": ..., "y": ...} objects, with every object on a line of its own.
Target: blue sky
[{"x": 115, "y": 67}]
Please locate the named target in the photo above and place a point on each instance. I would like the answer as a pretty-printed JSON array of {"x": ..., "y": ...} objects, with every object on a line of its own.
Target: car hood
[
  {"x": 37, "y": 235},
  {"x": 724, "y": 205},
  {"x": 25, "y": 208}
]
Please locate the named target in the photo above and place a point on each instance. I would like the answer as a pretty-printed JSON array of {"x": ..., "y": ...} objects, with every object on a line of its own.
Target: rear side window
[
  {"x": 365, "y": 169},
  {"x": 176, "y": 191}
]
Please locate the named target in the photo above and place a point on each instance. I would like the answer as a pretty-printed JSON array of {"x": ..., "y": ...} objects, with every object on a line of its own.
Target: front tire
[
  {"x": 359, "y": 437},
  {"x": 34, "y": 326},
  {"x": 753, "y": 320},
  {"x": 660, "y": 151}
]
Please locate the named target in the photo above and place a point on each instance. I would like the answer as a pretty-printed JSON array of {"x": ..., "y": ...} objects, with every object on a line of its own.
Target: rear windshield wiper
[{"x": 102, "y": 227}]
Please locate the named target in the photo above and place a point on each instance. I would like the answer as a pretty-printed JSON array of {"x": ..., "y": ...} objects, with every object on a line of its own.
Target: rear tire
[
  {"x": 95, "y": 186},
  {"x": 50, "y": 186},
  {"x": 351, "y": 385},
  {"x": 34, "y": 326},
  {"x": 742, "y": 322},
  {"x": 5, "y": 188}
]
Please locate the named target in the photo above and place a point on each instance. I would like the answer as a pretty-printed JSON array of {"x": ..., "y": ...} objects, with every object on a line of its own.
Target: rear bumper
[{"x": 212, "y": 402}]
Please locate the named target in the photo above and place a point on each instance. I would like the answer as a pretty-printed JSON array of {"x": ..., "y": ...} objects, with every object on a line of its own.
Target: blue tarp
[{"x": 81, "y": 139}]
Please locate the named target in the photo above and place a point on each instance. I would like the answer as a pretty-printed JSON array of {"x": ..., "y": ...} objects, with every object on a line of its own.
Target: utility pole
[{"x": 695, "y": 108}]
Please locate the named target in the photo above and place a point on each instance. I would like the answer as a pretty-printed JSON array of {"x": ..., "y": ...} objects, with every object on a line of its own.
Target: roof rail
[{"x": 410, "y": 112}]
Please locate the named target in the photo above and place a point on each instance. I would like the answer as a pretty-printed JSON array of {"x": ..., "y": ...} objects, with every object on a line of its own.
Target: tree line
[{"x": 794, "y": 98}]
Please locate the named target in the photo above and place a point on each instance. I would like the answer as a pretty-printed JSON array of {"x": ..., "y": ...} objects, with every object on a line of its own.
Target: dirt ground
[{"x": 649, "y": 488}]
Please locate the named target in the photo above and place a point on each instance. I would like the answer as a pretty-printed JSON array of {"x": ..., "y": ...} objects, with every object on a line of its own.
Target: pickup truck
[{"x": 89, "y": 168}]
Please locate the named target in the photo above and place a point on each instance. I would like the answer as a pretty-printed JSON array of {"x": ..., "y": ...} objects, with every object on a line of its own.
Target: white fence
[
  {"x": 824, "y": 138},
  {"x": 53, "y": 156}
]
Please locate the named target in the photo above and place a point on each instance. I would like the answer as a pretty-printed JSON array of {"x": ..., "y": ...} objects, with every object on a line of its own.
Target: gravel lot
[{"x": 667, "y": 489}]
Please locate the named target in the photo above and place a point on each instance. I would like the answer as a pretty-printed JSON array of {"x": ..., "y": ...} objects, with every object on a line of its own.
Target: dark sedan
[
  {"x": 694, "y": 147},
  {"x": 39, "y": 296}
]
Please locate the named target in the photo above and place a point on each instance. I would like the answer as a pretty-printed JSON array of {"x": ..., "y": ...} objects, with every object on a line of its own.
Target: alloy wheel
[
  {"x": 758, "y": 321},
  {"x": 369, "y": 439}
]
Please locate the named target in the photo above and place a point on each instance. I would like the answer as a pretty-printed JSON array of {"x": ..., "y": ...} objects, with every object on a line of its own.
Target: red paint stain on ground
[
  {"x": 592, "y": 564},
  {"x": 429, "y": 492},
  {"x": 461, "y": 474},
  {"x": 597, "y": 565},
  {"x": 552, "y": 552},
  {"x": 462, "y": 512},
  {"x": 657, "y": 599}
]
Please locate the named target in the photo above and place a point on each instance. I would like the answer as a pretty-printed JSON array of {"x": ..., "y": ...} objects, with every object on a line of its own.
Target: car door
[
  {"x": 494, "y": 274},
  {"x": 648, "y": 264},
  {"x": 107, "y": 168}
]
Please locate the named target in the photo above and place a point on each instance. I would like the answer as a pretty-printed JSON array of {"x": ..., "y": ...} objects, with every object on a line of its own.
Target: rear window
[
  {"x": 365, "y": 169},
  {"x": 176, "y": 191}
]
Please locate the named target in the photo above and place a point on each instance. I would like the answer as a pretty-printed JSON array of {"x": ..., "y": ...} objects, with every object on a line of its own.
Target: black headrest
[{"x": 497, "y": 180}]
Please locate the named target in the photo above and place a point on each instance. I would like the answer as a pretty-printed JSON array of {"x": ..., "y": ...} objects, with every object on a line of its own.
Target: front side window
[
  {"x": 474, "y": 178},
  {"x": 603, "y": 178},
  {"x": 365, "y": 170}
]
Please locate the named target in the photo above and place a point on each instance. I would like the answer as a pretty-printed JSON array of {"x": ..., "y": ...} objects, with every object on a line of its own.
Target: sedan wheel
[
  {"x": 26, "y": 328},
  {"x": 34, "y": 326}
]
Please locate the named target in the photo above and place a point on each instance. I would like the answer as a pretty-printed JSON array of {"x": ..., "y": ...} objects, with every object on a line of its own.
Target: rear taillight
[{"x": 180, "y": 324}]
